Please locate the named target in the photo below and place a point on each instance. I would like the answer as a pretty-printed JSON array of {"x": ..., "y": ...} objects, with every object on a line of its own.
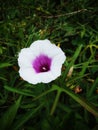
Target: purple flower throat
[{"x": 42, "y": 63}]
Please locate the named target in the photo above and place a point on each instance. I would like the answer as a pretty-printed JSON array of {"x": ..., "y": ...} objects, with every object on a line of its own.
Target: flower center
[{"x": 42, "y": 63}]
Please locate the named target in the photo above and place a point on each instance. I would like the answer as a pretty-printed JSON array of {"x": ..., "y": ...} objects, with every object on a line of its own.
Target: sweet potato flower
[{"x": 41, "y": 62}]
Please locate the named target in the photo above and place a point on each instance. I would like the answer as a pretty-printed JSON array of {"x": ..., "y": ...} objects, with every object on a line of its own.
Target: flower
[{"x": 41, "y": 62}]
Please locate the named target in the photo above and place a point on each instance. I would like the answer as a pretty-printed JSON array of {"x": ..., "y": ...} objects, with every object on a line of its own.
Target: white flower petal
[
  {"x": 29, "y": 75},
  {"x": 45, "y": 46},
  {"x": 25, "y": 57}
]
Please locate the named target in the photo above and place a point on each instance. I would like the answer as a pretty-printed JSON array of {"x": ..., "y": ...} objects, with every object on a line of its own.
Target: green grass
[{"x": 57, "y": 105}]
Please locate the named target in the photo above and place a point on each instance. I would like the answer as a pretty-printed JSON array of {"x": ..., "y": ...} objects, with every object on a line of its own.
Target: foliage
[{"x": 69, "y": 102}]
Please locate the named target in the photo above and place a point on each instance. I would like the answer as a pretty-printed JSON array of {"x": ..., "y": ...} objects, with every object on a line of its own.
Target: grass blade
[
  {"x": 87, "y": 105},
  {"x": 25, "y": 118},
  {"x": 6, "y": 64},
  {"x": 72, "y": 62},
  {"x": 8, "y": 117},
  {"x": 22, "y": 92},
  {"x": 90, "y": 92}
]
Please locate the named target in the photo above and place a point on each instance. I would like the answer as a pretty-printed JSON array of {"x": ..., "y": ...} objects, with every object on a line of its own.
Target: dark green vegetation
[{"x": 58, "y": 105}]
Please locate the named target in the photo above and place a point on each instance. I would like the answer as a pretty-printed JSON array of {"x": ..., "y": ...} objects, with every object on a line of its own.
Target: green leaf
[
  {"x": 79, "y": 125},
  {"x": 19, "y": 91},
  {"x": 6, "y": 64},
  {"x": 24, "y": 118},
  {"x": 72, "y": 62},
  {"x": 85, "y": 66},
  {"x": 8, "y": 117},
  {"x": 93, "y": 87},
  {"x": 45, "y": 125},
  {"x": 83, "y": 102}
]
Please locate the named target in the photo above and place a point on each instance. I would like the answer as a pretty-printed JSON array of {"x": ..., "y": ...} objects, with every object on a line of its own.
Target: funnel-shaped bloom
[{"x": 41, "y": 62}]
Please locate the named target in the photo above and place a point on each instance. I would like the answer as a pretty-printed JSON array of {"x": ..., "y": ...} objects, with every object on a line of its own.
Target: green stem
[
  {"x": 87, "y": 105},
  {"x": 44, "y": 93},
  {"x": 55, "y": 102}
]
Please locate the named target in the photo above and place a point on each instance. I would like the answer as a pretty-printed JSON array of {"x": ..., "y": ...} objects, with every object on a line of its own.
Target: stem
[
  {"x": 55, "y": 102},
  {"x": 87, "y": 105},
  {"x": 44, "y": 93}
]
